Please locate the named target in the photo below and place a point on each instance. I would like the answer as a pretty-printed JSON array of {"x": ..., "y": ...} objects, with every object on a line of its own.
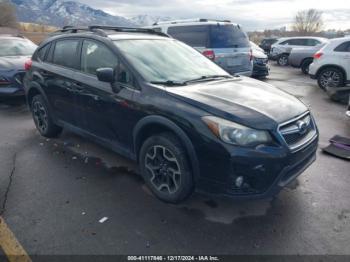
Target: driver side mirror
[{"x": 106, "y": 75}]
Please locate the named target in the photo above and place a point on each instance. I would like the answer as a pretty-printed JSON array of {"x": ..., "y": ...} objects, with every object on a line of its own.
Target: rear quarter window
[
  {"x": 344, "y": 47},
  {"x": 42, "y": 53},
  {"x": 195, "y": 36}
]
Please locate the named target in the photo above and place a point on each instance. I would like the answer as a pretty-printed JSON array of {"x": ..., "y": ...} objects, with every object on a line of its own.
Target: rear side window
[
  {"x": 67, "y": 54},
  {"x": 196, "y": 36},
  {"x": 42, "y": 52},
  {"x": 297, "y": 41},
  {"x": 312, "y": 42},
  {"x": 96, "y": 55},
  {"x": 344, "y": 47},
  {"x": 227, "y": 36}
]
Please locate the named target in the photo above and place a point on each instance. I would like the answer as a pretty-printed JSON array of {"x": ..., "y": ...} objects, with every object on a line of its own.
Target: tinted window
[
  {"x": 196, "y": 36},
  {"x": 96, "y": 55},
  {"x": 125, "y": 76},
  {"x": 227, "y": 36},
  {"x": 297, "y": 41},
  {"x": 312, "y": 42},
  {"x": 67, "y": 54},
  {"x": 41, "y": 54},
  {"x": 344, "y": 47}
]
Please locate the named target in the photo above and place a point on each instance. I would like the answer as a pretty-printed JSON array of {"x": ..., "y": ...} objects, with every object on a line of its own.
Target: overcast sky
[{"x": 252, "y": 14}]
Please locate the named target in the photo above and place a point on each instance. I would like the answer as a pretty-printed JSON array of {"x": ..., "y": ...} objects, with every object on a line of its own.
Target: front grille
[
  {"x": 261, "y": 61},
  {"x": 298, "y": 132}
]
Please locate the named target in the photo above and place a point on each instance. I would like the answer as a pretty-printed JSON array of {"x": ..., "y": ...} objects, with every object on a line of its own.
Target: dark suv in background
[{"x": 188, "y": 123}]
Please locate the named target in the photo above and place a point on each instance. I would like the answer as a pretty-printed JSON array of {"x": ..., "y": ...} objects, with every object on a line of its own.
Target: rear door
[
  {"x": 342, "y": 52},
  {"x": 62, "y": 62}
]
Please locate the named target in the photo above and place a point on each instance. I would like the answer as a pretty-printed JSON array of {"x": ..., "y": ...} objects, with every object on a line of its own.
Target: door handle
[{"x": 45, "y": 73}]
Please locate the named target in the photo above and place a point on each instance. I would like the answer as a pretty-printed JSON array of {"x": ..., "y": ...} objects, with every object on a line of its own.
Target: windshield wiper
[
  {"x": 168, "y": 83},
  {"x": 207, "y": 78}
]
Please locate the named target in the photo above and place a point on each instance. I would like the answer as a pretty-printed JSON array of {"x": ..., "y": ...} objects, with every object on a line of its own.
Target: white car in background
[
  {"x": 281, "y": 49},
  {"x": 331, "y": 68}
]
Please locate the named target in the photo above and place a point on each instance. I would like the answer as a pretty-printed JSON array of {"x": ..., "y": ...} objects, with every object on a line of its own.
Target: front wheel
[
  {"x": 283, "y": 60},
  {"x": 165, "y": 168}
]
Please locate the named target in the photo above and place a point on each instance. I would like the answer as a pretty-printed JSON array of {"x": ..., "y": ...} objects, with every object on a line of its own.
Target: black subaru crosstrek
[{"x": 188, "y": 123}]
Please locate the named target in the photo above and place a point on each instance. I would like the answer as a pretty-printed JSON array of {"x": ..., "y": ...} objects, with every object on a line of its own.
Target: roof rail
[
  {"x": 101, "y": 30},
  {"x": 193, "y": 20},
  {"x": 127, "y": 29}
]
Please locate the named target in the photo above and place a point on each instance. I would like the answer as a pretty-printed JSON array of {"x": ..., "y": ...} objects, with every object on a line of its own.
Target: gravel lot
[{"x": 62, "y": 188}]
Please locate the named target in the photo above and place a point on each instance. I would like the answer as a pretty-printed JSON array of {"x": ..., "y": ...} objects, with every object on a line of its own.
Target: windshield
[
  {"x": 16, "y": 47},
  {"x": 228, "y": 36},
  {"x": 167, "y": 60}
]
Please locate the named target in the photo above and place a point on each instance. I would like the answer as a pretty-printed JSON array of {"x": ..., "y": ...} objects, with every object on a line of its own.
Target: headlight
[
  {"x": 235, "y": 134},
  {"x": 3, "y": 81}
]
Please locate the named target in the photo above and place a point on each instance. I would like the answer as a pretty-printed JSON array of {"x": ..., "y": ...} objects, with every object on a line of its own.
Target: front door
[{"x": 104, "y": 111}]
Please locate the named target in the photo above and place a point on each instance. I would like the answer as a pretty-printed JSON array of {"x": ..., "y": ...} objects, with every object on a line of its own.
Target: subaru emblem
[{"x": 302, "y": 126}]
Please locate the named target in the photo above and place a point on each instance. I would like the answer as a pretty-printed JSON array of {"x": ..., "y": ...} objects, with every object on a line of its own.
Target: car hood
[
  {"x": 8, "y": 63},
  {"x": 258, "y": 54},
  {"x": 243, "y": 100}
]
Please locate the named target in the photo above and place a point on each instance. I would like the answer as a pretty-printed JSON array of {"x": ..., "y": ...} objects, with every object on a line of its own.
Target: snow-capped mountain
[
  {"x": 65, "y": 12},
  {"x": 145, "y": 20}
]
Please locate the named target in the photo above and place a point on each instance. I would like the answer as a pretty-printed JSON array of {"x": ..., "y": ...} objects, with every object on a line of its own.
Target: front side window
[
  {"x": 96, "y": 55},
  {"x": 66, "y": 54},
  {"x": 167, "y": 60},
  {"x": 16, "y": 47}
]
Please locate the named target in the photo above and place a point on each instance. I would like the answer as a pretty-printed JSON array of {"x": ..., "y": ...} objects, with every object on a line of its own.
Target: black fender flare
[{"x": 162, "y": 121}]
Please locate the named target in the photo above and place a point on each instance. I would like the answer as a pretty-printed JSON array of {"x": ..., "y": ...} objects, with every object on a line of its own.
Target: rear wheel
[
  {"x": 283, "y": 60},
  {"x": 43, "y": 119},
  {"x": 330, "y": 78},
  {"x": 305, "y": 66},
  {"x": 165, "y": 168}
]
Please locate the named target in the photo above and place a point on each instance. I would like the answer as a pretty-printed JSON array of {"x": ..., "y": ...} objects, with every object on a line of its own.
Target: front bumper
[
  {"x": 260, "y": 70},
  {"x": 265, "y": 171},
  {"x": 11, "y": 91}
]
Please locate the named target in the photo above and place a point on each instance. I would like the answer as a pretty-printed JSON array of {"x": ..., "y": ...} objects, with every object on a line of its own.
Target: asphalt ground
[{"x": 56, "y": 191}]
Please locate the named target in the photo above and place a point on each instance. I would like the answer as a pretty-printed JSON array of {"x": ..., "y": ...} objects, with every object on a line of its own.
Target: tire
[
  {"x": 305, "y": 66},
  {"x": 43, "y": 119},
  {"x": 282, "y": 60},
  {"x": 330, "y": 78},
  {"x": 165, "y": 168}
]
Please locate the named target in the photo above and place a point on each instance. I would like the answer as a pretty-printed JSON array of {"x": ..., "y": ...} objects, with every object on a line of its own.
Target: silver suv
[
  {"x": 280, "y": 51},
  {"x": 221, "y": 41}
]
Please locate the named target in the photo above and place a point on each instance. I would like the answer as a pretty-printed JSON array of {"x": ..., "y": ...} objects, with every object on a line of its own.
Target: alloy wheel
[
  {"x": 40, "y": 116},
  {"x": 283, "y": 60},
  {"x": 330, "y": 78},
  {"x": 163, "y": 169}
]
